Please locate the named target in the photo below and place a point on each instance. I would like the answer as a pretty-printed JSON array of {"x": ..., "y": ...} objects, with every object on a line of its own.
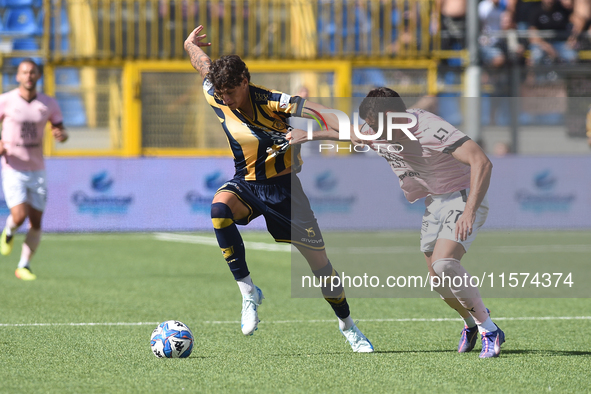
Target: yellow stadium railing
[{"x": 115, "y": 30}]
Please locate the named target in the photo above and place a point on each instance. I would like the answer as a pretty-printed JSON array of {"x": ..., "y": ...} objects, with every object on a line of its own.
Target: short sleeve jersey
[
  {"x": 249, "y": 139},
  {"x": 23, "y": 125},
  {"x": 426, "y": 166}
]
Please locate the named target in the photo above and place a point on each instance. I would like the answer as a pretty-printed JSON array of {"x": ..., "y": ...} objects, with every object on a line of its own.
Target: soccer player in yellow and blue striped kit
[{"x": 254, "y": 119}]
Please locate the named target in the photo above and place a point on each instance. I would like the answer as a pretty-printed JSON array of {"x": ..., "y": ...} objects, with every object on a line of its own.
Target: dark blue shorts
[{"x": 283, "y": 204}]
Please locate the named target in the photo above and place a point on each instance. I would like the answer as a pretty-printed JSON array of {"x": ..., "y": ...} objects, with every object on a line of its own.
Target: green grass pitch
[{"x": 134, "y": 278}]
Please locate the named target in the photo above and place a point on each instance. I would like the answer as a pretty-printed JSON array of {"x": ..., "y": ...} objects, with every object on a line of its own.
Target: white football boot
[
  {"x": 359, "y": 343},
  {"x": 250, "y": 318}
]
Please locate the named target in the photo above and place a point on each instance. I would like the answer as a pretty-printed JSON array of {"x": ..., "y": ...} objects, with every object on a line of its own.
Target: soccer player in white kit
[
  {"x": 24, "y": 113},
  {"x": 453, "y": 173}
]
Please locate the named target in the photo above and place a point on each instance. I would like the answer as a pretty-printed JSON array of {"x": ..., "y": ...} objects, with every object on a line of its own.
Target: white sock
[
  {"x": 246, "y": 286},
  {"x": 487, "y": 326},
  {"x": 30, "y": 245},
  {"x": 469, "y": 321},
  {"x": 346, "y": 323},
  {"x": 10, "y": 225}
]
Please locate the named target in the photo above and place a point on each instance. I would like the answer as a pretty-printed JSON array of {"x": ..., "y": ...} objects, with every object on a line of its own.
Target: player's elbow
[{"x": 486, "y": 166}]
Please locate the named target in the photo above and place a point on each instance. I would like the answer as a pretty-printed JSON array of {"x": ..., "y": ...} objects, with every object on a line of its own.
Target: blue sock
[{"x": 229, "y": 239}]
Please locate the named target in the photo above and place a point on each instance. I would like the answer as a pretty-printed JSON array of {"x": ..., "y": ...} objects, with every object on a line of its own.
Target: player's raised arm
[
  {"x": 199, "y": 59},
  {"x": 480, "y": 171}
]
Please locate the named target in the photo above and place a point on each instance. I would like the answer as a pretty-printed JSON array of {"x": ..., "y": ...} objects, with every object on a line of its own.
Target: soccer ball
[{"x": 172, "y": 339}]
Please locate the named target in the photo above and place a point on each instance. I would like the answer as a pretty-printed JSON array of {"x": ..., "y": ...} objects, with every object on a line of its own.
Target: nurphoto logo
[{"x": 402, "y": 121}]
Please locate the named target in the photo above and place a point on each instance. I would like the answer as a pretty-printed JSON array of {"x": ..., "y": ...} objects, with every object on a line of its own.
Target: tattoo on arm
[{"x": 199, "y": 60}]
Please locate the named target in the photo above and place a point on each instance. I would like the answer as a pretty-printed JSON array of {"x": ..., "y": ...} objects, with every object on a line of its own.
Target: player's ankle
[
  {"x": 346, "y": 323},
  {"x": 487, "y": 326}
]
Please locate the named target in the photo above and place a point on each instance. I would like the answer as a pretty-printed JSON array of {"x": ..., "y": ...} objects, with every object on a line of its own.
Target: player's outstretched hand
[
  {"x": 59, "y": 133},
  {"x": 195, "y": 39},
  {"x": 464, "y": 225},
  {"x": 296, "y": 136}
]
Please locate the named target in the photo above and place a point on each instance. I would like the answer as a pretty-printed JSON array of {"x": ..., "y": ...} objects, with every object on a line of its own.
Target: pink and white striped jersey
[
  {"x": 426, "y": 166},
  {"x": 23, "y": 125}
]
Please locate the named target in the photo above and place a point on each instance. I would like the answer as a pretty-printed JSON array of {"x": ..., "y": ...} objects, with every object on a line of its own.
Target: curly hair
[
  {"x": 380, "y": 100},
  {"x": 228, "y": 72}
]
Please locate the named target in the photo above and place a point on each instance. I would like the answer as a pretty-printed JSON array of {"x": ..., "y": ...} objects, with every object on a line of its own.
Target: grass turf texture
[{"x": 135, "y": 278}]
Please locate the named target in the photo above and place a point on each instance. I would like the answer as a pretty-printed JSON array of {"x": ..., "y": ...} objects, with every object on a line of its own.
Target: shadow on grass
[{"x": 546, "y": 352}]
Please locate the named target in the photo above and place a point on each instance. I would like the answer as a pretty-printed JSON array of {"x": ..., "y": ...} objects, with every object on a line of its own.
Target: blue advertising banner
[{"x": 346, "y": 193}]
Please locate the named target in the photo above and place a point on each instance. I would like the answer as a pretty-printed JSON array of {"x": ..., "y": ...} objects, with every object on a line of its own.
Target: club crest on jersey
[
  {"x": 278, "y": 125},
  {"x": 311, "y": 232}
]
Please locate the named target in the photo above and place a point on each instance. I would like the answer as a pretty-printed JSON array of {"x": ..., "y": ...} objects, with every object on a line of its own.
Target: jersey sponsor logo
[
  {"x": 311, "y": 241},
  {"x": 29, "y": 145},
  {"x": 393, "y": 159},
  {"x": 260, "y": 97},
  {"x": 284, "y": 100},
  {"x": 29, "y": 131},
  {"x": 407, "y": 174},
  {"x": 279, "y": 125}
]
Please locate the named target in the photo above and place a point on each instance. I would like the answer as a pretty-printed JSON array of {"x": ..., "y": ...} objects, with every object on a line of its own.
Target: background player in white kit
[
  {"x": 24, "y": 114},
  {"x": 453, "y": 172}
]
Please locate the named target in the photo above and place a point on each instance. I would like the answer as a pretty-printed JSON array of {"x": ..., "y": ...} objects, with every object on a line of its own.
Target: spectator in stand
[
  {"x": 521, "y": 11},
  {"x": 492, "y": 44},
  {"x": 550, "y": 16},
  {"x": 453, "y": 23}
]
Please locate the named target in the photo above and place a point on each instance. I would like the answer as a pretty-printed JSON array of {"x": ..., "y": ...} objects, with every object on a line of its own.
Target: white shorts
[
  {"x": 24, "y": 187},
  {"x": 441, "y": 214}
]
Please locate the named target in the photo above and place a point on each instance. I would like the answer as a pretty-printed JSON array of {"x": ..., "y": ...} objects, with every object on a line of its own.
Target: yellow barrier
[
  {"x": 157, "y": 108},
  {"x": 258, "y": 29}
]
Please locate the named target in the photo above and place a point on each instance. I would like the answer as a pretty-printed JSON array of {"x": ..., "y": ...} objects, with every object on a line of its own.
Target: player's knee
[
  {"x": 221, "y": 215},
  {"x": 448, "y": 266}
]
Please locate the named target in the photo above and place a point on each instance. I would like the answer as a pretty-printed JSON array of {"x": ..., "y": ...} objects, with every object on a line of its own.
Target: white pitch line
[
  {"x": 443, "y": 319},
  {"x": 77, "y": 324},
  {"x": 202, "y": 240},
  {"x": 205, "y": 240}
]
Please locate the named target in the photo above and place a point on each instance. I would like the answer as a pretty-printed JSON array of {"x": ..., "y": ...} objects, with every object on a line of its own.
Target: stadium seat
[
  {"x": 67, "y": 77},
  {"x": 64, "y": 27},
  {"x": 19, "y": 3},
  {"x": 64, "y": 43},
  {"x": 19, "y": 21},
  {"x": 72, "y": 109},
  {"x": 25, "y": 44}
]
